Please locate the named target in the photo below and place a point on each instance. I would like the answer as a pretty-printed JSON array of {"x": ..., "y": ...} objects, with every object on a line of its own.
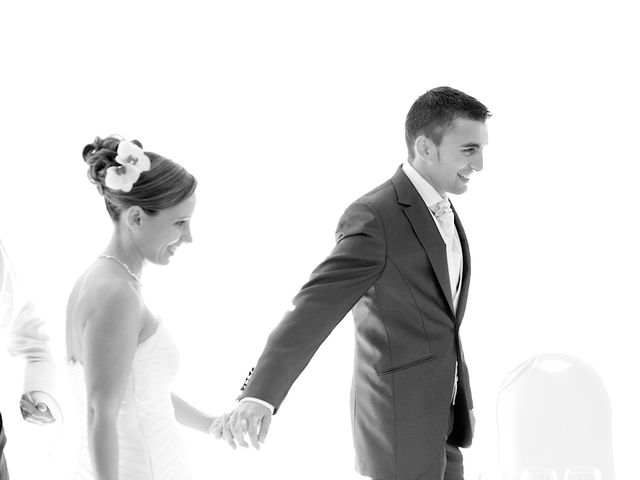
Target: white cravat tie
[{"x": 445, "y": 218}]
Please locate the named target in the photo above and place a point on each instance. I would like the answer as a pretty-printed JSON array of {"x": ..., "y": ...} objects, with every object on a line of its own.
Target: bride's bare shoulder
[{"x": 102, "y": 292}]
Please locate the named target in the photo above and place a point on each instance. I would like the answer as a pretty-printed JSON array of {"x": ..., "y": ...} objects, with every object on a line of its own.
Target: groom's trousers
[{"x": 4, "y": 474}]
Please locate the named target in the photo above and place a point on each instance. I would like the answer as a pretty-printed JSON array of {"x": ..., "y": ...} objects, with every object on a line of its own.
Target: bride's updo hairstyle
[{"x": 164, "y": 185}]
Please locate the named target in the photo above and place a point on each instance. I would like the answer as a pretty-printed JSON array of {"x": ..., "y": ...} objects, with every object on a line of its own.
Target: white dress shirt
[
  {"x": 20, "y": 322},
  {"x": 430, "y": 197}
]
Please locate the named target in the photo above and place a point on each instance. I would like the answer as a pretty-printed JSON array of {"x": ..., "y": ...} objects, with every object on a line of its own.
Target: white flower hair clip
[{"x": 133, "y": 162}]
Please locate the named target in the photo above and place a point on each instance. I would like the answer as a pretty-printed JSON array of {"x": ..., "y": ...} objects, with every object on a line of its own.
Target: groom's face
[{"x": 448, "y": 167}]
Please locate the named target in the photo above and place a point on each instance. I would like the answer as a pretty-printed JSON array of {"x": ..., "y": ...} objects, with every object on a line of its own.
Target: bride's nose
[{"x": 186, "y": 236}]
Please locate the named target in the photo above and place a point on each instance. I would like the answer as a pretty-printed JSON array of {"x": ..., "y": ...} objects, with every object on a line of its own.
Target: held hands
[
  {"x": 217, "y": 424},
  {"x": 38, "y": 407},
  {"x": 248, "y": 417}
]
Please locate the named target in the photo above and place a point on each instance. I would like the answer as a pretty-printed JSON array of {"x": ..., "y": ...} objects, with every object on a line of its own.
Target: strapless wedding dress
[{"x": 150, "y": 446}]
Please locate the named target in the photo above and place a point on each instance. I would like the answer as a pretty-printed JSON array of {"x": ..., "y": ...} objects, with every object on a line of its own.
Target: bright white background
[{"x": 286, "y": 112}]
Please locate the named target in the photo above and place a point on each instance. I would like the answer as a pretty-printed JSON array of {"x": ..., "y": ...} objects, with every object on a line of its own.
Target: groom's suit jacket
[{"x": 389, "y": 265}]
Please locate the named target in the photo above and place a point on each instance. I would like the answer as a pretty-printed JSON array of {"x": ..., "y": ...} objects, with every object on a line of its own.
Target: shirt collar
[{"x": 429, "y": 194}]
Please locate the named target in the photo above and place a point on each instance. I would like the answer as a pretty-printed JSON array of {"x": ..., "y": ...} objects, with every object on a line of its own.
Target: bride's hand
[{"x": 217, "y": 425}]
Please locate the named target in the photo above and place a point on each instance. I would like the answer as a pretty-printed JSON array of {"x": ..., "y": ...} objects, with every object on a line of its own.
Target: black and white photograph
[{"x": 309, "y": 240}]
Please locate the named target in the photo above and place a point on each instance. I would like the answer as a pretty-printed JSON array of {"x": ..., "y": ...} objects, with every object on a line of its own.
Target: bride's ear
[{"x": 133, "y": 217}]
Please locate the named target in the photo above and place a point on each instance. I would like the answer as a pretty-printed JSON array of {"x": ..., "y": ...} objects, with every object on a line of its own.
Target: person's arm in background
[{"x": 20, "y": 321}]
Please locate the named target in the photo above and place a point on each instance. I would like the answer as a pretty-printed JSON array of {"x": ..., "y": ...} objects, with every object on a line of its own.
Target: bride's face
[{"x": 158, "y": 236}]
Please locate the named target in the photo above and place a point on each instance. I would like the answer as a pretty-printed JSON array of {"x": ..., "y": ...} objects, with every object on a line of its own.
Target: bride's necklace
[{"x": 123, "y": 265}]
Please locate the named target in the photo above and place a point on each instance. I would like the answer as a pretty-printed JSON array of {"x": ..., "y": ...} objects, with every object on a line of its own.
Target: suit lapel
[
  {"x": 466, "y": 268},
  {"x": 426, "y": 230}
]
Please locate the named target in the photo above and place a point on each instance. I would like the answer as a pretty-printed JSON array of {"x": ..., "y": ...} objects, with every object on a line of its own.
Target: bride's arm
[
  {"x": 110, "y": 339},
  {"x": 190, "y": 416}
]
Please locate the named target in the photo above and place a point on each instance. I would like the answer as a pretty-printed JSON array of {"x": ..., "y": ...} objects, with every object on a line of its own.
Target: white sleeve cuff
[
  {"x": 261, "y": 402},
  {"x": 40, "y": 377}
]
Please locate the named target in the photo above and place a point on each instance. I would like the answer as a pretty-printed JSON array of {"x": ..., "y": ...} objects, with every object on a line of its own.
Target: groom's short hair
[{"x": 434, "y": 111}]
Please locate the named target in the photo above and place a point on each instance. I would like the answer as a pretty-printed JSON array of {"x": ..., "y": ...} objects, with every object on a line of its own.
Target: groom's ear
[{"x": 423, "y": 147}]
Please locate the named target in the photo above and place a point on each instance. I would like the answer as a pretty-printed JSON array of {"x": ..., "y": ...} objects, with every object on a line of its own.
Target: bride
[{"x": 122, "y": 358}]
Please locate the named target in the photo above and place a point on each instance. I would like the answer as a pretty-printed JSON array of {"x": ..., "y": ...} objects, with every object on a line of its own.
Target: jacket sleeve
[
  {"x": 23, "y": 327},
  {"x": 334, "y": 287}
]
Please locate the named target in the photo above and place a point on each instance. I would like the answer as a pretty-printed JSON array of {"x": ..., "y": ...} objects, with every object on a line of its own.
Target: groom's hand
[{"x": 248, "y": 417}]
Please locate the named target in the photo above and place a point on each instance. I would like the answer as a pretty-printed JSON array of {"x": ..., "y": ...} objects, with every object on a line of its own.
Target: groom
[{"x": 401, "y": 264}]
